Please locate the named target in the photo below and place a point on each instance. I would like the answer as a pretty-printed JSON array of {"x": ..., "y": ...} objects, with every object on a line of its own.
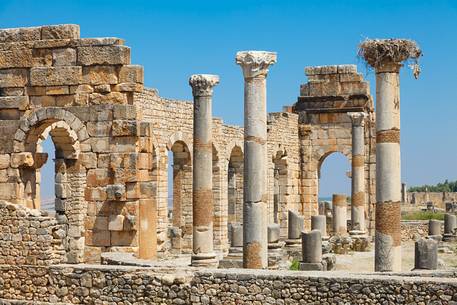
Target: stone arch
[
  {"x": 321, "y": 158},
  {"x": 181, "y": 219},
  {"x": 67, "y": 133},
  {"x": 235, "y": 183},
  {"x": 179, "y": 137},
  {"x": 232, "y": 144}
]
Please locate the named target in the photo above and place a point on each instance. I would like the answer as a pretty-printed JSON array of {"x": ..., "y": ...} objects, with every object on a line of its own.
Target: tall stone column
[
  {"x": 358, "y": 198},
  {"x": 202, "y": 246},
  {"x": 255, "y": 66},
  {"x": 386, "y": 56}
]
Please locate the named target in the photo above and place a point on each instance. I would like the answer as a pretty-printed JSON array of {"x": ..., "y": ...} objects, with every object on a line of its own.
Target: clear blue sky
[{"x": 174, "y": 39}]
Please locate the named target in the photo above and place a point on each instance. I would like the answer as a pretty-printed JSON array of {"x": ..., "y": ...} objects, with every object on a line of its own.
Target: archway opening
[
  {"x": 180, "y": 197},
  {"x": 280, "y": 192},
  {"x": 334, "y": 178},
  {"x": 235, "y": 186}
]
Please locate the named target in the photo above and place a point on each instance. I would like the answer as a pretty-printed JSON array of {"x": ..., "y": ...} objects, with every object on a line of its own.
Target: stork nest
[{"x": 377, "y": 52}]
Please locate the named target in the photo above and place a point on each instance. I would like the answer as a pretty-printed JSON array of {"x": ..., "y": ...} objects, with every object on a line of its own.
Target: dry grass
[{"x": 377, "y": 52}]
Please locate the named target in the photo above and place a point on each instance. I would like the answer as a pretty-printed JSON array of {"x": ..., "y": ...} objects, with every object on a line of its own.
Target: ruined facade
[{"x": 114, "y": 140}]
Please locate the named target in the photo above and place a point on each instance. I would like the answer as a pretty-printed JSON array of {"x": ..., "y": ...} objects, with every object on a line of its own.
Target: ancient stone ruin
[{"x": 242, "y": 197}]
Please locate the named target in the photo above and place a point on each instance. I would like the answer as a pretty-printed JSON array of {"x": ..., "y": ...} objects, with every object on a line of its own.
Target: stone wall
[
  {"x": 117, "y": 285},
  {"x": 29, "y": 237},
  {"x": 413, "y": 230},
  {"x": 439, "y": 199},
  {"x": 325, "y": 128}
]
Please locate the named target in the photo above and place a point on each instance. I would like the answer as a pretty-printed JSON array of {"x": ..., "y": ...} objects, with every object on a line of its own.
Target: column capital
[
  {"x": 255, "y": 63},
  {"x": 357, "y": 118},
  {"x": 387, "y": 55},
  {"x": 202, "y": 84}
]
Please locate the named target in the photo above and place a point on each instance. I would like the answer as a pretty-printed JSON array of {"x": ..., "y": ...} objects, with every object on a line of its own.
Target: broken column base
[
  {"x": 293, "y": 242},
  {"x": 357, "y": 233},
  {"x": 322, "y": 266},
  {"x": 207, "y": 260},
  {"x": 438, "y": 238},
  {"x": 449, "y": 237}
]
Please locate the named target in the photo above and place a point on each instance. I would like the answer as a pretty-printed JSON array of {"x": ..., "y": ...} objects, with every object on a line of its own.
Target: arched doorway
[
  {"x": 235, "y": 186},
  {"x": 180, "y": 189},
  {"x": 280, "y": 206},
  {"x": 69, "y": 174}
]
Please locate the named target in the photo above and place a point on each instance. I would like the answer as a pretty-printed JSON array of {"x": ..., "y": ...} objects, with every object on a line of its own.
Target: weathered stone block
[
  {"x": 116, "y": 223},
  {"x": 99, "y": 129},
  {"x": 61, "y": 31},
  {"x": 131, "y": 74},
  {"x": 124, "y": 112},
  {"x": 100, "y": 144},
  {"x": 57, "y": 90},
  {"x": 13, "y": 78},
  {"x": 123, "y": 238},
  {"x": 20, "y": 34},
  {"x": 105, "y": 88},
  {"x": 128, "y": 87},
  {"x": 122, "y": 128},
  {"x": 21, "y": 159},
  {"x": 109, "y": 98},
  {"x": 104, "y": 55},
  {"x": 96, "y": 75},
  {"x": 64, "y": 57},
  {"x": 116, "y": 192},
  {"x": 14, "y": 102},
  {"x": 16, "y": 57},
  {"x": 55, "y": 76},
  {"x": 4, "y": 161}
]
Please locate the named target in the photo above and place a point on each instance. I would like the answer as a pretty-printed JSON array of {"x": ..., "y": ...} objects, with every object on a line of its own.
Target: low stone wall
[
  {"x": 29, "y": 236},
  {"x": 130, "y": 285},
  {"x": 413, "y": 230}
]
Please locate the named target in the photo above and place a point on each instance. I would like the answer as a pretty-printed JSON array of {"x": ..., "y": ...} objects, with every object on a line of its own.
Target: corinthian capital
[
  {"x": 202, "y": 84},
  {"x": 357, "y": 118},
  {"x": 255, "y": 63}
]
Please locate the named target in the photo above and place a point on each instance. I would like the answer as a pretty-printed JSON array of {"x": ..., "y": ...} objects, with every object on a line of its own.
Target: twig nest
[{"x": 379, "y": 52}]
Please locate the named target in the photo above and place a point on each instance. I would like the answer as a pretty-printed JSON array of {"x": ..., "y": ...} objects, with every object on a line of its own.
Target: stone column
[
  {"x": 255, "y": 69},
  {"x": 450, "y": 227},
  {"x": 426, "y": 254},
  {"x": 202, "y": 187},
  {"x": 319, "y": 222},
  {"x": 339, "y": 203},
  {"x": 386, "y": 57},
  {"x": 358, "y": 197}
]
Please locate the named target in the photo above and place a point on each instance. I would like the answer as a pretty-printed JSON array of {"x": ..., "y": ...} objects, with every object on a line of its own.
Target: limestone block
[
  {"x": 13, "y": 78},
  {"x": 123, "y": 128},
  {"x": 14, "y": 102},
  {"x": 64, "y": 57},
  {"x": 97, "y": 75},
  {"x": 55, "y": 76},
  {"x": 98, "y": 238},
  {"x": 4, "y": 161},
  {"x": 133, "y": 189},
  {"x": 321, "y": 70},
  {"x": 23, "y": 159},
  {"x": 124, "y": 112},
  {"x": 57, "y": 90},
  {"x": 128, "y": 87},
  {"x": 61, "y": 31},
  {"x": 95, "y": 194},
  {"x": 116, "y": 192},
  {"x": 100, "y": 145},
  {"x": 98, "y": 177},
  {"x": 116, "y": 222},
  {"x": 16, "y": 57},
  {"x": 99, "y": 129},
  {"x": 88, "y": 160},
  {"x": 104, "y": 55},
  {"x": 102, "y": 88},
  {"x": 109, "y": 98},
  {"x": 131, "y": 74},
  {"x": 20, "y": 34},
  {"x": 123, "y": 238},
  {"x": 13, "y": 91}
]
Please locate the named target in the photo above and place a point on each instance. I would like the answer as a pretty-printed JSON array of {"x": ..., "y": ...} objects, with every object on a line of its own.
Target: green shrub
[
  {"x": 422, "y": 215},
  {"x": 295, "y": 265}
]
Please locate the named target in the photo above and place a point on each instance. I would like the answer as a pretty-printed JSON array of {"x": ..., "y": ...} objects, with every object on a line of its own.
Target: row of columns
[{"x": 255, "y": 65}]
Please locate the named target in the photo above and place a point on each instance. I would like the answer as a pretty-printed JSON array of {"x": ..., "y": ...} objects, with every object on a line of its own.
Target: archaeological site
[{"x": 245, "y": 224}]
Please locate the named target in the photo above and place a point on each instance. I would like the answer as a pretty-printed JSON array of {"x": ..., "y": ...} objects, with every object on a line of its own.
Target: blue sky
[{"x": 174, "y": 39}]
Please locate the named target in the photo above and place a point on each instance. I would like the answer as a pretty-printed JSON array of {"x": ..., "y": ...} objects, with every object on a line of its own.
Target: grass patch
[
  {"x": 422, "y": 215},
  {"x": 295, "y": 265}
]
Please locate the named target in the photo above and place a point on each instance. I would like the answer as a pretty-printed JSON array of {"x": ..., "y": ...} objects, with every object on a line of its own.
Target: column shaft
[
  {"x": 255, "y": 68},
  {"x": 202, "y": 187},
  {"x": 388, "y": 182}
]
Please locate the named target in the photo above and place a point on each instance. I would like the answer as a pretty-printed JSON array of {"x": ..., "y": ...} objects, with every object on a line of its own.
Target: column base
[
  {"x": 293, "y": 242},
  {"x": 278, "y": 245},
  {"x": 438, "y": 238},
  {"x": 357, "y": 233},
  {"x": 204, "y": 260},
  {"x": 313, "y": 266}
]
